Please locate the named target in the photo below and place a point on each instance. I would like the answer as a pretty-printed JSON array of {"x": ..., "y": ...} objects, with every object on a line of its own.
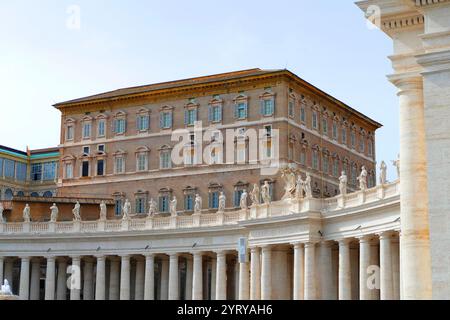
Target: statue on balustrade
[
  {"x": 152, "y": 208},
  {"x": 244, "y": 204},
  {"x": 343, "y": 180},
  {"x": 289, "y": 180},
  {"x": 363, "y": 179},
  {"x": 126, "y": 210},
  {"x": 396, "y": 164},
  {"x": 299, "y": 187},
  {"x": 307, "y": 186},
  {"x": 198, "y": 204},
  {"x": 1, "y": 213},
  {"x": 103, "y": 210},
  {"x": 265, "y": 193},
  {"x": 6, "y": 289},
  {"x": 54, "y": 213},
  {"x": 383, "y": 173},
  {"x": 173, "y": 207},
  {"x": 76, "y": 212},
  {"x": 222, "y": 202},
  {"x": 254, "y": 195},
  {"x": 27, "y": 213}
]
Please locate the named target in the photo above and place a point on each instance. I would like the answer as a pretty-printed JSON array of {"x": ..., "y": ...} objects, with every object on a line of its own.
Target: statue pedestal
[
  {"x": 2, "y": 226},
  {"x": 196, "y": 221},
  {"x": 264, "y": 211},
  {"x": 362, "y": 197},
  {"x": 125, "y": 224},
  {"x": 254, "y": 212},
  {"x": 296, "y": 205},
  {"x": 341, "y": 201},
  {"x": 149, "y": 223},
  {"x": 173, "y": 222},
  {"x": 220, "y": 217},
  {"x": 101, "y": 224},
  {"x": 26, "y": 227},
  {"x": 243, "y": 215},
  {"x": 52, "y": 226},
  {"x": 76, "y": 226},
  {"x": 380, "y": 191}
]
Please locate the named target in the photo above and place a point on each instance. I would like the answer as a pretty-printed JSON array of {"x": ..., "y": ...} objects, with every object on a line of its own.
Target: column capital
[
  {"x": 407, "y": 82},
  {"x": 254, "y": 249},
  {"x": 326, "y": 243},
  {"x": 385, "y": 235},
  {"x": 125, "y": 256},
  {"x": 174, "y": 255},
  {"x": 25, "y": 258},
  {"x": 344, "y": 241},
  {"x": 310, "y": 244},
  {"x": 365, "y": 238},
  {"x": 100, "y": 257},
  {"x": 298, "y": 245},
  {"x": 114, "y": 258}
]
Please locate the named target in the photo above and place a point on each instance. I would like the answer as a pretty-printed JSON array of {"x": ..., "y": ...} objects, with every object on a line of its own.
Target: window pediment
[
  {"x": 119, "y": 153},
  {"x": 142, "y": 149}
]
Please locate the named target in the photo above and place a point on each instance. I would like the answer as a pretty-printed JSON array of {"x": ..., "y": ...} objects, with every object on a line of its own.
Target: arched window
[
  {"x": 34, "y": 195},
  {"x": 20, "y": 194},
  {"x": 48, "y": 194},
  {"x": 8, "y": 194}
]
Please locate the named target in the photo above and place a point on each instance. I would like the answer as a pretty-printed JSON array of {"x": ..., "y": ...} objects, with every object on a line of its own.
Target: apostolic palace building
[{"x": 251, "y": 184}]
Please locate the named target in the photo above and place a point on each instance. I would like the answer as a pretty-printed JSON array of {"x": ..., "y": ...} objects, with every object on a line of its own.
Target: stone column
[
  {"x": 164, "y": 278},
  {"x": 299, "y": 275},
  {"x": 213, "y": 278},
  {"x": 149, "y": 288},
  {"x": 221, "y": 276},
  {"x": 125, "y": 278},
  {"x": 100, "y": 279},
  {"x": 386, "y": 289},
  {"x": 244, "y": 281},
  {"x": 75, "y": 289},
  {"x": 396, "y": 269},
  {"x": 310, "y": 271},
  {"x": 9, "y": 264},
  {"x": 61, "y": 281},
  {"x": 50, "y": 279},
  {"x": 266, "y": 273},
  {"x": 114, "y": 279},
  {"x": 139, "y": 283},
  {"x": 35, "y": 285},
  {"x": 345, "y": 285},
  {"x": 24, "y": 290},
  {"x": 174, "y": 289},
  {"x": 255, "y": 274},
  {"x": 1, "y": 268},
  {"x": 189, "y": 275},
  {"x": 197, "y": 283},
  {"x": 326, "y": 271},
  {"x": 88, "y": 277},
  {"x": 364, "y": 264},
  {"x": 416, "y": 263}
]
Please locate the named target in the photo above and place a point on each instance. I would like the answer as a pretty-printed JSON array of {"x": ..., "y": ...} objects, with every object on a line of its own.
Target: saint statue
[
  {"x": 254, "y": 195},
  {"x": 126, "y": 209},
  {"x": 173, "y": 207},
  {"x": 383, "y": 170},
  {"x": 265, "y": 193},
  {"x": 76, "y": 212},
  {"x": 343, "y": 180},
  {"x": 299, "y": 187},
  {"x": 6, "y": 289},
  {"x": 103, "y": 210},
  {"x": 289, "y": 180},
  {"x": 198, "y": 204},
  {"x": 307, "y": 186},
  {"x": 1, "y": 213},
  {"x": 243, "y": 202},
  {"x": 54, "y": 213},
  {"x": 363, "y": 179},
  {"x": 152, "y": 209},
  {"x": 27, "y": 213},
  {"x": 222, "y": 202},
  {"x": 396, "y": 164}
]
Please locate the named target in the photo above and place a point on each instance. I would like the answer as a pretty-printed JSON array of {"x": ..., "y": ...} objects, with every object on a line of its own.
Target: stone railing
[{"x": 263, "y": 211}]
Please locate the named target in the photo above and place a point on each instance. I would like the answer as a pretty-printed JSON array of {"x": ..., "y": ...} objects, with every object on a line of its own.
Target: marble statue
[
  {"x": 265, "y": 193},
  {"x": 54, "y": 213},
  {"x": 152, "y": 208},
  {"x": 222, "y": 202},
  {"x": 27, "y": 213},
  {"x": 173, "y": 207},
  {"x": 363, "y": 179},
  {"x": 299, "y": 187},
  {"x": 343, "y": 180},
  {"x": 76, "y": 212},
  {"x": 243, "y": 202},
  {"x": 198, "y": 204},
  {"x": 254, "y": 195},
  {"x": 383, "y": 171},
  {"x": 307, "y": 186},
  {"x": 6, "y": 289},
  {"x": 126, "y": 210},
  {"x": 289, "y": 180},
  {"x": 396, "y": 164},
  {"x": 103, "y": 210},
  {"x": 1, "y": 213}
]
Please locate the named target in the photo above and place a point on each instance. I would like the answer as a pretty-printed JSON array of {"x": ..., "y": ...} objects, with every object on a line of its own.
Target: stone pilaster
[
  {"x": 61, "y": 280},
  {"x": 139, "y": 284},
  {"x": 244, "y": 281},
  {"x": 35, "y": 279},
  {"x": 75, "y": 290},
  {"x": 189, "y": 278},
  {"x": 326, "y": 271},
  {"x": 88, "y": 279},
  {"x": 164, "y": 278},
  {"x": 364, "y": 264}
]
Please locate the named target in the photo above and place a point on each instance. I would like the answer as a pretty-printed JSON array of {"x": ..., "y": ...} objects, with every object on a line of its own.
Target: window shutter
[
  {"x": 210, "y": 200},
  {"x": 273, "y": 105},
  {"x": 236, "y": 202},
  {"x": 113, "y": 126},
  {"x": 170, "y": 119},
  {"x": 138, "y": 127},
  {"x": 196, "y": 115},
  {"x": 210, "y": 115},
  {"x": 148, "y": 122},
  {"x": 246, "y": 110},
  {"x": 236, "y": 110},
  {"x": 186, "y": 115},
  {"x": 262, "y": 107},
  {"x": 161, "y": 123},
  {"x": 160, "y": 204},
  {"x": 220, "y": 113}
]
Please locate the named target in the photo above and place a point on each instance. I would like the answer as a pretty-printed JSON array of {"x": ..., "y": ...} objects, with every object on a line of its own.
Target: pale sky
[{"x": 45, "y": 59}]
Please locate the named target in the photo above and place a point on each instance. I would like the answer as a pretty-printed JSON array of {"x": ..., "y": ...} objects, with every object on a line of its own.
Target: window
[
  {"x": 291, "y": 109},
  {"x": 36, "y": 172},
  {"x": 21, "y": 171},
  {"x": 344, "y": 135},
  {"x": 315, "y": 160},
  {"x": 353, "y": 139},
  {"x": 303, "y": 157},
  {"x": 101, "y": 128},
  {"x": 101, "y": 148},
  {"x": 1, "y": 167},
  {"x": 48, "y": 194},
  {"x": 68, "y": 168},
  {"x": 119, "y": 165},
  {"x": 86, "y": 150},
  {"x": 335, "y": 131},
  {"x": 165, "y": 160},
  {"x": 118, "y": 207},
  {"x": 50, "y": 171},
  {"x": 85, "y": 169},
  {"x": 140, "y": 205},
  {"x": 9, "y": 168},
  {"x": 268, "y": 130},
  {"x": 214, "y": 200},
  {"x": 166, "y": 120},
  {"x": 325, "y": 126},
  {"x": 142, "y": 160},
  {"x": 189, "y": 202},
  {"x": 325, "y": 164},
  {"x": 370, "y": 147},
  {"x": 267, "y": 107},
  {"x": 291, "y": 151},
  {"x": 119, "y": 126},
  {"x": 100, "y": 167},
  {"x": 237, "y": 197},
  {"x": 353, "y": 175},
  {"x": 336, "y": 167},
  {"x": 241, "y": 110},
  {"x": 314, "y": 120},
  {"x": 241, "y": 151},
  {"x": 362, "y": 145},
  {"x": 87, "y": 126},
  {"x": 215, "y": 113},
  {"x": 303, "y": 114},
  {"x": 190, "y": 116},
  {"x": 69, "y": 133},
  {"x": 164, "y": 203},
  {"x": 143, "y": 122}
]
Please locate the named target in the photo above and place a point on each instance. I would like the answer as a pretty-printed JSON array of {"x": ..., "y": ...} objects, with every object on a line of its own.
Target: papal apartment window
[
  {"x": 215, "y": 113},
  {"x": 353, "y": 139},
  {"x": 325, "y": 164},
  {"x": 315, "y": 160},
  {"x": 370, "y": 147},
  {"x": 142, "y": 160},
  {"x": 49, "y": 171},
  {"x": 118, "y": 203},
  {"x": 241, "y": 110},
  {"x": 36, "y": 171},
  {"x": 344, "y": 136},
  {"x": 303, "y": 114},
  {"x": 214, "y": 200},
  {"x": 303, "y": 157},
  {"x": 101, "y": 148},
  {"x": 165, "y": 160},
  {"x": 119, "y": 126},
  {"x": 362, "y": 145},
  {"x": 267, "y": 107},
  {"x": 143, "y": 122},
  {"x": 325, "y": 126},
  {"x": 87, "y": 127},
  {"x": 237, "y": 197},
  {"x": 166, "y": 120},
  {"x": 291, "y": 109},
  {"x": 314, "y": 120},
  {"x": 69, "y": 170},
  {"x": 189, "y": 202},
  {"x": 140, "y": 205},
  {"x": 101, "y": 124},
  {"x": 190, "y": 116},
  {"x": 86, "y": 150},
  {"x": 336, "y": 167},
  {"x": 164, "y": 203},
  {"x": 100, "y": 167},
  {"x": 69, "y": 133},
  {"x": 119, "y": 165},
  {"x": 335, "y": 131},
  {"x": 85, "y": 169}
]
